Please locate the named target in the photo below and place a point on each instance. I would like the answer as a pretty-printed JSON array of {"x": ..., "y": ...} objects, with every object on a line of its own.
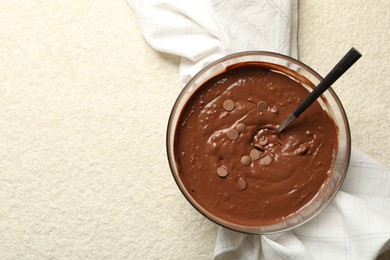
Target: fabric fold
[{"x": 203, "y": 31}]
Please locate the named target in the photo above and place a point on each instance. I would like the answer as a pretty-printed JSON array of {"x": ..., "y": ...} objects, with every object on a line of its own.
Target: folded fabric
[
  {"x": 202, "y": 31},
  {"x": 357, "y": 223}
]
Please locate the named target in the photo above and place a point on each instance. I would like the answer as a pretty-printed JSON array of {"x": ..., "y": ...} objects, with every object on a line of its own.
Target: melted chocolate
[{"x": 292, "y": 167}]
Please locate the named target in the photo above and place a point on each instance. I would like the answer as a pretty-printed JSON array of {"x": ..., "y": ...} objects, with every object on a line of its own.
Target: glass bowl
[{"x": 329, "y": 102}]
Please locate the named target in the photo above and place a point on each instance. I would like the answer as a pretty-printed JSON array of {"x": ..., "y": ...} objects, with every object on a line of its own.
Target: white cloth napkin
[
  {"x": 357, "y": 223},
  {"x": 204, "y": 30}
]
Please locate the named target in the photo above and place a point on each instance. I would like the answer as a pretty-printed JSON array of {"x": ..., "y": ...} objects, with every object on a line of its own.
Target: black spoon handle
[{"x": 342, "y": 66}]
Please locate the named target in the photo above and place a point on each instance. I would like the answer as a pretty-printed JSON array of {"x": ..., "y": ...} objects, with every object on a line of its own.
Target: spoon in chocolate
[{"x": 341, "y": 67}]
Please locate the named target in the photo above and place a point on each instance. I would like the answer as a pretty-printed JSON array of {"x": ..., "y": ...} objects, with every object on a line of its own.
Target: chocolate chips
[
  {"x": 263, "y": 140},
  {"x": 229, "y": 105},
  {"x": 240, "y": 127},
  {"x": 232, "y": 134},
  {"x": 254, "y": 154},
  {"x": 266, "y": 160},
  {"x": 241, "y": 183},
  {"x": 246, "y": 160},
  {"x": 262, "y": 106},
  {"x": 222, "y": 171}
]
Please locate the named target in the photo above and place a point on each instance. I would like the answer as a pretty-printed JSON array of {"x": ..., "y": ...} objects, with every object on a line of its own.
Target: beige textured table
[{"x": 84, "y": 103}]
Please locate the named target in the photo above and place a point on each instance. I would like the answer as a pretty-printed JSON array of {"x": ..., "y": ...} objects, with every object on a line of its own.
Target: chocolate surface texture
[{"x": 231, "y": 161}]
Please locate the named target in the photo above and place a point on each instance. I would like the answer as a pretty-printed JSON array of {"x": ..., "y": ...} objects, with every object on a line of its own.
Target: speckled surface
[
  {"x": 326, "y": 31},
  {"x": 83, "y": 110}
]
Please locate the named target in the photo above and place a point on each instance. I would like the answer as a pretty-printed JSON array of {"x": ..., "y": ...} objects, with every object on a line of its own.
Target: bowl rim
[{"x": 315, "y": 74}]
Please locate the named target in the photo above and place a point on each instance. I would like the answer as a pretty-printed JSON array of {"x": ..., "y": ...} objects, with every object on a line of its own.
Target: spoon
[{"x": 341, "y": 67}]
